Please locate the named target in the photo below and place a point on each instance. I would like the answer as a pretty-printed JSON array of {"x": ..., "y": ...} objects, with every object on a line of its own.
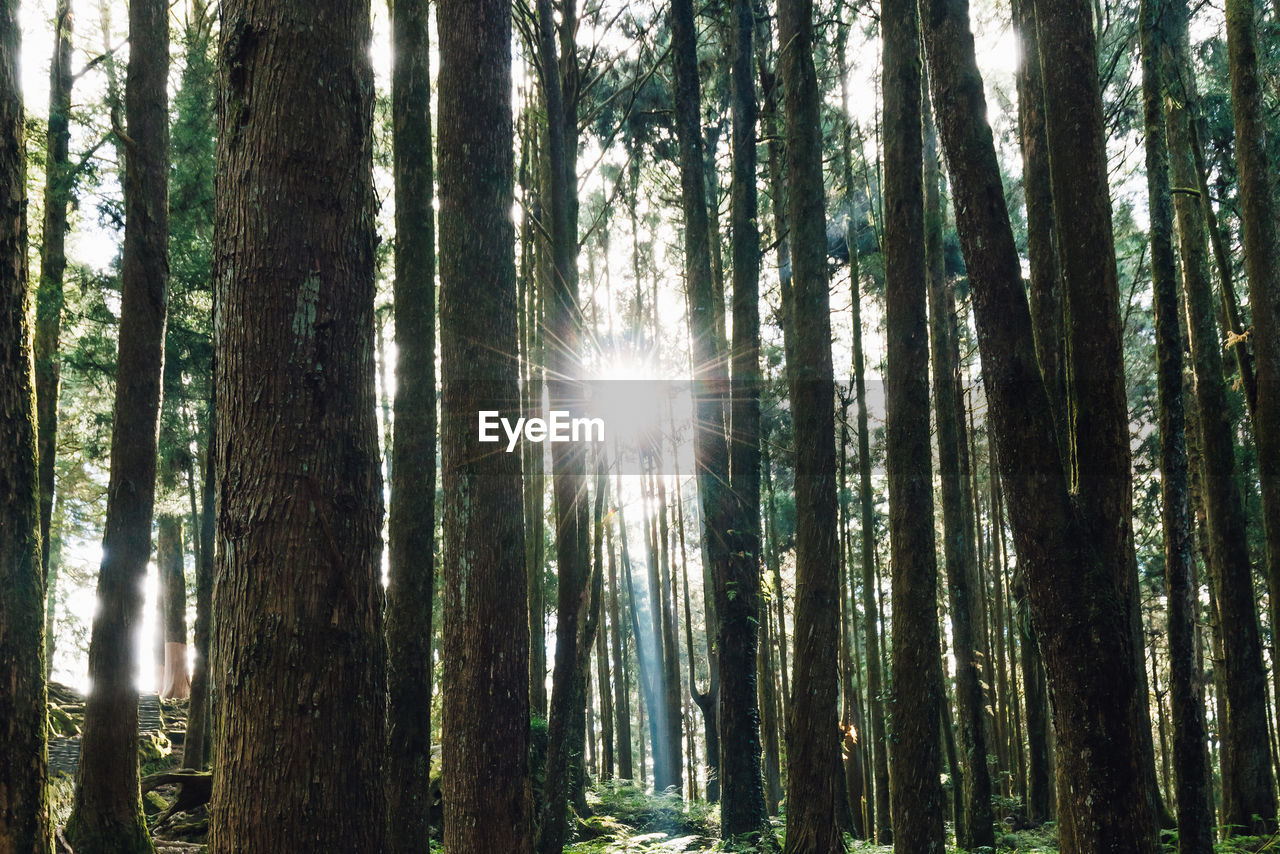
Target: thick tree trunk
[
  {"x": 24, "y": 807},
  {"x": 815, "y": 784},
  {"x": 1077, "y": 581},
  {"x": 964, "y": 595},
  {"x": 1261, "y": 237},
  {"x": 107, "y": 812},
  {"x": 915, "y": 765},
  {"x": 487, "y": 796},
  {"x": 411, "y": 515},
  {"x": 299, "y": 641}
]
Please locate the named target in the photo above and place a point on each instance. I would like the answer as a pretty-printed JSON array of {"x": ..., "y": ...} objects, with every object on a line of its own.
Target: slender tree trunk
[
  {"x": 487, "y": 796},
  {"x": 1158, "y": 23},
  {"x": 964, "y": 595},
  {"x": 173, "y": 584},
  {"x": 24, "y": 806},
  {"x": 107, "y": 812},
  {"x": 58, "y": 179},
  {"x": 815, "y": 783},
  {"x": 606, "y": 764},
  {"x": 915, "y": 764},
  {"x": 1261, "y": 238},
  {"x": 411, "y": 515},
  {"x": 621, "y": 688},
  {"x": 195, "y": 747}
]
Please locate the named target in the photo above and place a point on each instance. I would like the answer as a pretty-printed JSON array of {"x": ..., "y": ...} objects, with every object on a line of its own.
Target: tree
[
  {"x": 1195, "y": 831},
  {"x": 299, "y": 645},
  {"x": 411, "y": 522},
  {"x": 815, "y": 781},
  {"x": 107, "y": 812},
  {"x": 964, "y": 593},
  {"x": 915, "y": 767},
  {"x": 727, "y": 471},
  {"x": 1261, "y": 238},
  {"x": 1078, "y": 584},
  {"x": 487, "y": 796},
  {"x": 58, "y": 177},
  {"x": 24, "y": 807}
]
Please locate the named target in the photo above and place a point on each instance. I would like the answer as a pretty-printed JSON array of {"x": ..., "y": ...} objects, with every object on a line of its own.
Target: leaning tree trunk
[
  {"x": 815, "y": 782},
  {"x": 299, "y": 647},
  {"x": 1261, "y": 238},
  {"x": 107, "y": 812},
  {"x": 487, "y": 798},
  {"x": 915, "y": 766},
  {"x": 411, "y": 518},
  {"x": 24, "y": 806},
  {"x": 1077, "y": 583}
]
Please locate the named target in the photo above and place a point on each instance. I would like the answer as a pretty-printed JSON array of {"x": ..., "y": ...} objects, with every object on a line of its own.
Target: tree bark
[
  {"x": 58, "y": 180},
  {"x": 1261, "y": 237},
  {"x": 170, "y": 563},
  {"x": 963, "y": 593},
  {"x": 1157, "y": 22},
  {"x": 815, "y": 783},
  {"x": 915, "y": 764},
  {"x": 411, "y": 516},
  {"x": 107, "y": 812},
  {"x": 1078, "y": 583},
  {"x": 487, "y": 795},
  {"x": 298, "y": 593},
  {"x": 195, "y": 747},
  {"x": 24, "y": 806}
]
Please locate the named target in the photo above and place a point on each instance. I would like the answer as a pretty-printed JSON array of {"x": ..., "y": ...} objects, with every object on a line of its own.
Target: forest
[{"x": 592, "y": 426}]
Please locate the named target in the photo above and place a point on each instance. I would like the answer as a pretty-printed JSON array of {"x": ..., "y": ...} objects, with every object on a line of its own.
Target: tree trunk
[
  {"x": 815, "y": 783},
  {"x": 107, "y": 813},
  {"x": 173, "y": 586},
  {"x": 24, "y": 806},
  {"x": 1158, "y": 24},
  {"x": 411, "y": 515},
  {"x": 915, "y": 764},
  {"x": 1261, "y": 238},
  {"x": 299, "y": 596},
  {"x": 1077, "y": 583},
  {"x": 621, "y": 688},
  {"x": 58, "y": 180},
  {"x": 965, "y": 598},
  {"x": 487, "y": 796},
  {"x": 195, "y": 747}
]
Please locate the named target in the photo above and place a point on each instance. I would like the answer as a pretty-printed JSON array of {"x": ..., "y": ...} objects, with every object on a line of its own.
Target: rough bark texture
[
  {"x": 1191, "y": 771},
  {"x": 1260, "y": 234},
  {"x": 815, "y": 784},
  {"x": 487, "y": 796},
  {"x": 742, "y": 807},
  {"x": 299, "y": 652},
  {"x": 53, "y": 265},
  {"x": 1077, "y": 582},
  {"x": 24, "y": 808},
  {"x": 107, "y": 812},
  {"x": 976, "y": 827},
  {"x": 411, "y": 519},
  {"x": 915, "y": 765},
  {"x": 1195, "y": 832}
]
